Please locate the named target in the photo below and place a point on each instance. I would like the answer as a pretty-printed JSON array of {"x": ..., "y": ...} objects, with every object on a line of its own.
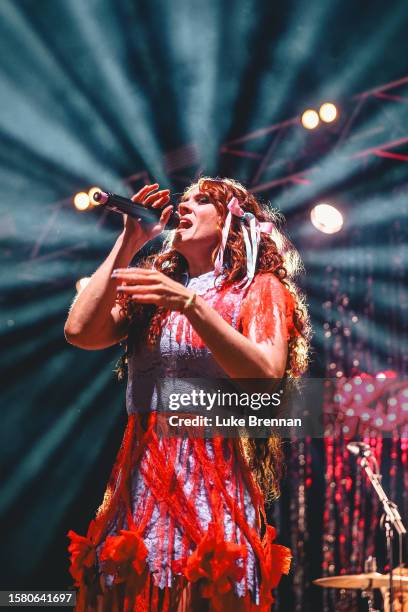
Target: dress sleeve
[{"x": 267, "y": 307}]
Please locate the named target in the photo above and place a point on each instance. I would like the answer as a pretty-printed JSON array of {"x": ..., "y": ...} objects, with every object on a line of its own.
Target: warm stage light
[
  {"x": 91, "y": 195},
  {"x": 328, "y": 112},
  {"x": 326, "y": 218},
  {"x": 82, "y": 283},
  {"x": 310, "y": 119},
  {"x": 81, "y": 201}
]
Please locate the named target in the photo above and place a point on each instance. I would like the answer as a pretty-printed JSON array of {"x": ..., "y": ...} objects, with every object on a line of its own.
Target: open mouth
[{"x": 185, "y": 223}]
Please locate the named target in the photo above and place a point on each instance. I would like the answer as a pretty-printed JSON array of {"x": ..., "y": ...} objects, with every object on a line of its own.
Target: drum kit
[
  {"x": 393, "y": 586},
  {"x": 365, "y": 582},
  {"x": 368, "y": 581}
]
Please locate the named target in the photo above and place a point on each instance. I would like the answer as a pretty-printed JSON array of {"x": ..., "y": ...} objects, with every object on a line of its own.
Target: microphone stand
[{"x": 391, "y": 518}]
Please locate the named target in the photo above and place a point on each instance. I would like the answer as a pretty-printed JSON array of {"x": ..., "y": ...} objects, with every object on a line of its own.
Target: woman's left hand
[{"x": 144, "y": 286}]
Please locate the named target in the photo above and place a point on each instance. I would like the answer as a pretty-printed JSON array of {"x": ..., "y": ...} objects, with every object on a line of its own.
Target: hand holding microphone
[
  {"x": 149, "y": 197},
  {"x": 146, "y": 214},
  {"x": 95, "y": 321}
]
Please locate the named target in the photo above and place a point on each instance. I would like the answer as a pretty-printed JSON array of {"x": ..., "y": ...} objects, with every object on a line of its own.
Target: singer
[{"x": 182, "y": 525}]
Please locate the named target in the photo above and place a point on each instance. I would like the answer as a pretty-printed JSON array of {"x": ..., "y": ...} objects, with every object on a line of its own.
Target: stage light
[
  {"x": 82, "y": 283},
  {"x": 326, "y": 218},
  {"x": 91, "y": 193},
  {"x": 81, "y": 201},
  {"x": 328, "y": 112},
  {"x": 310, "y": 119}
]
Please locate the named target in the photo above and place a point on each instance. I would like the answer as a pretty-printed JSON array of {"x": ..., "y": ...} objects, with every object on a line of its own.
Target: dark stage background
[{"x": 118, "y": 93}]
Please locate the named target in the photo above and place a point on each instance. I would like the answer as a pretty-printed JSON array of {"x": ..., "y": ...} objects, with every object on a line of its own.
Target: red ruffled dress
[{"x": 183, "y": 509}]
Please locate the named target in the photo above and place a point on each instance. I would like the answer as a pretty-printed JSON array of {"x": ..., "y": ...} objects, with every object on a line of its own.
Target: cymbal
[{"x": 369, "y": 580}]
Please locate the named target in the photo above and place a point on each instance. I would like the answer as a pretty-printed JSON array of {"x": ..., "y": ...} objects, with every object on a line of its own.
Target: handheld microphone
[
  {"x": 145, "y": 215},
  {"x": 359, "y": 448}
]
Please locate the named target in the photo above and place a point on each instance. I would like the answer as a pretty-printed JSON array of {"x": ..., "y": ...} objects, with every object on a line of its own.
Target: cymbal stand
[
  {"x": 370, "y": 565},
  {"x": 391, "y": 517}
]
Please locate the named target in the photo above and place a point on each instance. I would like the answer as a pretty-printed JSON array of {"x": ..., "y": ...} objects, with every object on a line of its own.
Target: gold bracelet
[{"x": 191, "y": 300}]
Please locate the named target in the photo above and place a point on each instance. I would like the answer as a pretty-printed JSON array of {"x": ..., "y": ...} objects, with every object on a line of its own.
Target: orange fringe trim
[{"x": 213, "y": 566}]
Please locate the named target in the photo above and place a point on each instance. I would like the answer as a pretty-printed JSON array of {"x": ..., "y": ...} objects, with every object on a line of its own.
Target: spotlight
[
  {"x": 326, "y": 218},
  {"x": 82, "y": 283},
  {"x": 328, "y": 112},
  {"x": 81, "y": 201},
  {"x": 91, "y": 193},
  {"x": 310, "y": 119}
]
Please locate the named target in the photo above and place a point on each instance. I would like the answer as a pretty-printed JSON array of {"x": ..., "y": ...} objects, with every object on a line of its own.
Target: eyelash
[{"x": 204, "y": 200}]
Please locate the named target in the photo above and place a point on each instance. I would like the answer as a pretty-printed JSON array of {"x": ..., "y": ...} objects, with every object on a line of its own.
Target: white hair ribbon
[{"x": 251, "y": 230}]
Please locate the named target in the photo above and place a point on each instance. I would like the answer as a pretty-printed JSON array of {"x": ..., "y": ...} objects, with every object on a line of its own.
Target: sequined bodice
[{"x": 180, "y": 353}]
